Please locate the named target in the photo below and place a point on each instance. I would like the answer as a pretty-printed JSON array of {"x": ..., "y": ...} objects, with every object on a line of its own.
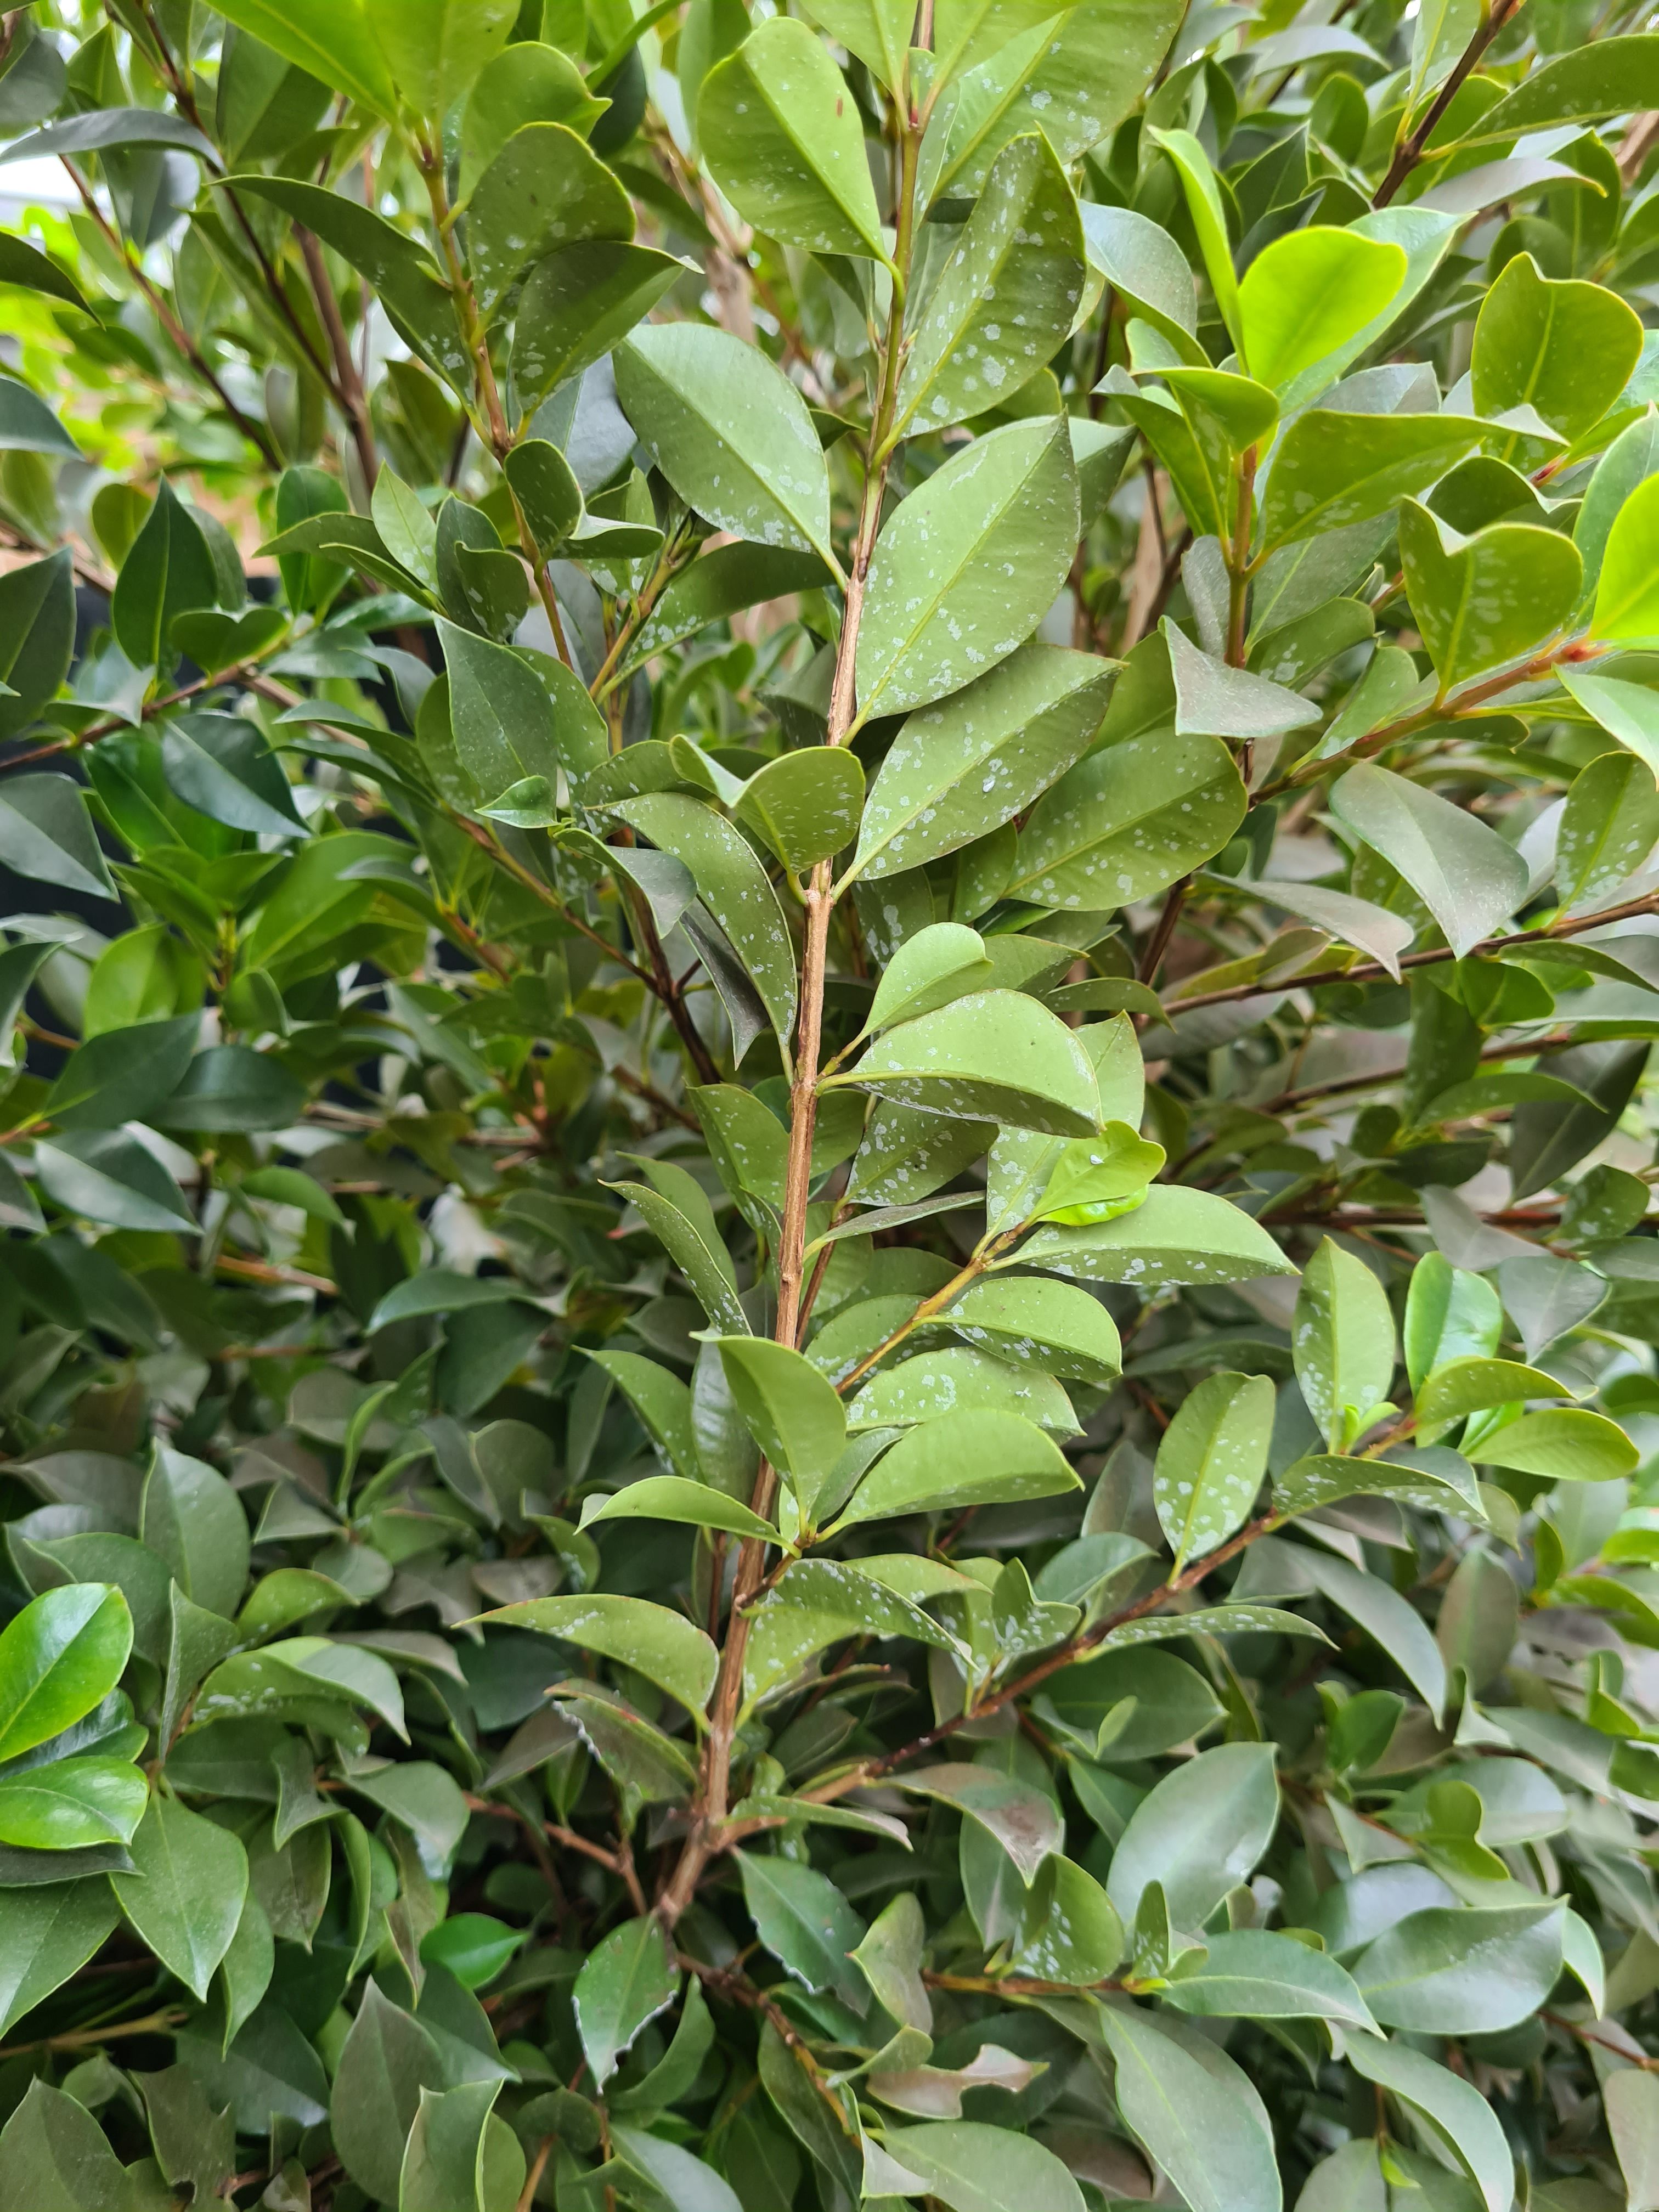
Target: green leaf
[
  {"x": 459, "y": 2153},
  {"x": 1211, "y": 1462},
  {"x": 108, "y": 1177},
  {"x": 959, "y": 1379},
  {"x": 1023, "y": 1820},
  {"x": 46, "y": 1934},
  {"x": 37, "y": 638},
  {"x": 1214, "y": 700},
  {"x": 671, "y": 1498},
  {"x": 1449, "y": 1315},
  {"x": 1203, "y": 196},
  {"x": 1566, "y": 349},
  {"x": 184, "y": 1897},
  {"x": 192, "y": 1518},
  {"x": 1050, "y": 1326},
  {"x": 730, "y": 433},
  {"x": 877, "y": 31},
  {"x": 1194, "y": 2110},
  {"x": 1379, "y": 1609},
  {"x": 545, "y": 189},
  {"x": 679, "y": 1216},
  {"x": 663, "y": 1646},
  {"x": 784, "y": 139},
  {"x": 25, "y": 265},
  {"x": 528, "y": 82},
  {"x": 1128, "y": 821},
  {"x": 791, "y": 1411},
  {"x": 47, "y": 834},
  {"x": 1568, "y": 1445},
  {"x": 1627, "y": 594},
  {"x": 1332, "y": 470},
  {"x": 59, "y": 1658},
  {"x": 336, "y": 40},
  {"x": 385, "y": 2063},
  {"x": 223, "y": 768},
  {"x": 1174, "y": 1235},
  {"x": 123, "y": 1074},
  {"x": 973, "y": 2168},
  {"x": 625, "y": 1981},
  {"x": 54, "y": 2157},
  {"x": 579, "y": 303},
  {"x": 959, "y": 770},
  {"x": 1467, "y": 1385},
  {"x": 662, "y": 1402},
  {"x": 1462, "y": 1970},
  {"x": 27, "y": 425},
  {"x": 993, "y": 1055},
  {"x": 1198, "y": 1832},
  {"x": 1068, "y": 1931},
  {"x": 1483, "y": 601},
  {"x": 1469, "y": 880},
  {"x": 435, "y": 52},
  {"x": 732, "y": 883},
  {"x": 1254, "y": 1975},
  {"x": 939, "y": 964},
  {"x": 168, "y": 572},
  {"x": 805, "y": 805},
  {"x": 806, "y": 1924},
  {"x": 1306, "y": 294},
  {"x": 959, "y": 1460},
  {"x": 1459, "y": 2112},
  {"x": 69, "y": 1802},
  {"x": 1343, "y": 1340},
  {"x": 1006, "y": 298},
  {"x": 966, "y": 567}
]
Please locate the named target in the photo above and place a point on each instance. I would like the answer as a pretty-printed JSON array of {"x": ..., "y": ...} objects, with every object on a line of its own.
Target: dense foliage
[{"x": 827, "y": 1332}]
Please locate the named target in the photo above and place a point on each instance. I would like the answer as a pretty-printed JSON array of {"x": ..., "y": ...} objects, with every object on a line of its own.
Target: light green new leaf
[
  {"x": 992, "y": 1055},
  {"x": 966, "y": 567},
  {"x": 665, "y": 1647},
  {"x": 1306, "y": 294},
  {"x": 1608, "y": 827},
  {"x": 959, "y": 1379},
  {"x": 1484, "y": 601},
  {"x": 1469, "y": 880},
  {"x": 1627, "y": 595},
  {"x": 1564, "y": 349},
  {"x": 783, "y": 137},
  {"x": 625, "y": 1981},
  {"x": 1468, "y": 1385},
  {"x": 1006, "y": 297},
  {"x": 1209, "y": 216},
  {"x": 943, "y": 962},
  {"x": 730, "y": 433},
  {"x": 1343, "y": 1341},
  {"x": 1210, "y": 1460}
]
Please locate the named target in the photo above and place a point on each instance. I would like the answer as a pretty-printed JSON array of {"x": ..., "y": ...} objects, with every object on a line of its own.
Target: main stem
[{"x": 714, "y": 1791}]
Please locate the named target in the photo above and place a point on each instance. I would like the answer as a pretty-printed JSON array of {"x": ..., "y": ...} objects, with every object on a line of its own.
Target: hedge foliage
[{"x": 826, "y": 1345}]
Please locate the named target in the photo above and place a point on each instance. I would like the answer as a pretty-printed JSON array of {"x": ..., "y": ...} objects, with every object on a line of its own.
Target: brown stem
[
  {"x": 354, "y": 401},
  {"x": 1158, "y": 943},
  {"x": 82, "y": 2038},
  {"x": 1411, "y": 153},
  {"x": 710, "y": 1804}
]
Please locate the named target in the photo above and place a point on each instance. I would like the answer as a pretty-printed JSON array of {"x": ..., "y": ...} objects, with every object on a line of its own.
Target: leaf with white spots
[
  {"x": 1128, "y": 821},
  {"x": 1211, "y": 1462},
  {"x": 730, "y": 433},
  {"x": 1007, "y": 297},
  {"x": 967, "y": 567}
]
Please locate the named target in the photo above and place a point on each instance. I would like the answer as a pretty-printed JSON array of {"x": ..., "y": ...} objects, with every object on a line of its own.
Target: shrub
[{"x": 830, "y": 1121}]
